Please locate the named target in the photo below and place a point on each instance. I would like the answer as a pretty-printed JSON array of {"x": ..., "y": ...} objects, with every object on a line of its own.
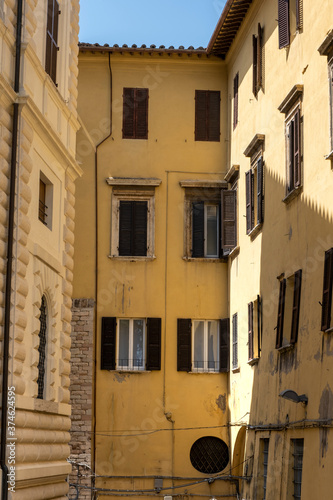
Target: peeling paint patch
[
  {"x": 325, "y": 412},
  {"x": 120, "y": 377},
  {"x": 221, "y": 402}
]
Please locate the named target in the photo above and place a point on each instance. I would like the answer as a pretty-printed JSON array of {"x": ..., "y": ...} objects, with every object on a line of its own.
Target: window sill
[
  {"x": 236, "y": 370},
  {"x": 205, "y": 259},
  {"x": 293, "y": 194},
  {"x": 131, "y": 372},
  {"x": 255, "y": 231},
  {"x": 234, "y": 252},
  {"x": 253, "y": 361},
  {"x": 132, "y": 259},
  {"x": 204, "y": 373},
  {"x": 329, "y": 156},
  {"x": 285, "y": 348}
]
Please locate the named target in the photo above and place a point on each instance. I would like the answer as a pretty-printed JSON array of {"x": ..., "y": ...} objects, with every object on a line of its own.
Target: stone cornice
[
  {"x": 287, "y": 103},
  {"x": 203, "y": 184},
  {"x": 257, "y": 142},
  {"x": 133, "y": 181}
]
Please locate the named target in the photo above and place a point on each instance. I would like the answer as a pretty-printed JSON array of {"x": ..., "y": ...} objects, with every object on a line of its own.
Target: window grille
[
  {"x": 42, "y": 349},
  {"x": 298, "y": 445},
  {"x": 209, "y": 455},
  {"x": 265, "y": 464}
]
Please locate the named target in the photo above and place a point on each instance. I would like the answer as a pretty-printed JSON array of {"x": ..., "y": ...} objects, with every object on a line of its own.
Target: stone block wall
[{"x": 81, "y": 396}]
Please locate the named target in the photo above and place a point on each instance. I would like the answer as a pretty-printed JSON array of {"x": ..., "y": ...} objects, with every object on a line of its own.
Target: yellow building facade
[
  {"x": 163, "y": 184},
  {"x": 38, "y": 124}
]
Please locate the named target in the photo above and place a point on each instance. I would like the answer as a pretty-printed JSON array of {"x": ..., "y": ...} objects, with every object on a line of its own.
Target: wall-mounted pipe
[{"x": 10, "y": 240}]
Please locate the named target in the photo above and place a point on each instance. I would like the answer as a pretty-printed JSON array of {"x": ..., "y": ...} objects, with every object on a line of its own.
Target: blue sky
[{"x": 158, "y": 22}]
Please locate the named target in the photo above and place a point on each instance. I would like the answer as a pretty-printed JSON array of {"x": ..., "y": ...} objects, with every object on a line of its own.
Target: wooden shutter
[
  {"x": 52, "y": 39},
  {"x": 235, "y": 341},
  {"x": 228, "y": 220},
  {"x": 128, "y": 113},
  {"x": 224, "y": 345},
  {"x": 259, "y": 316},
  {"x": 125, "y": 227},
  {"x": 108, "y": 344},
  {"x": 255, "y": 64},
  {"x": 184, "y": 343},
  {"x": 214, "y": 100},
  {"x": 260, "y": 190},
  {"x": 249, "y": 201},
  {"x": 296, "y": 306},
  {"x": 200, "y": 115},
  {"x": 141, "y": 113},
  {"x": 327, "y": 291},
  {"x": 283, "y": 14},
  {"x": 299, "y": 9},
  {"x": 139, "y": 228},
  {"x": 236, "y": 86},
  {"x": 250, "y": 330},
  {"x": 296, "y": 150},
  {"x": 153, "y": 343},
  {"x": 198, "y": 222},
  {"x": 291, "y": 167},
  {"x": 279, "y": 328},
  {"x": 259, "y": 58}
]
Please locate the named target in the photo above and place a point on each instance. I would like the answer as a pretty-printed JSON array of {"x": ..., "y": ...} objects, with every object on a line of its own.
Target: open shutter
[
  {"x": 139, "y": 229},
  {"x": 296, "y": 306},
  {"x": 235, "y": 341},
  {"x": 198, "y": 238},
  {"x": 279, "y": 328},
  {"x": 141, "y": 113},
  {"x": 224, "y": 345},
  {"x": 200, "y": 115},
  {"x": 259, "y": 58},
  {"x": 128, "y": 113},
  {"x": 283, "y": 13},
  {"x": 255, "y": 64},
  {"x": 249, "y": 202},
  {"x": 214, "y": 106},
  {"x": 125, "y": 227},
  {"x": 108, "y": 344},
  {"x": 52, "y": 39},
  {"x": 153, "y": 343},
  {"x": 260, "y": 189},
  {"x": 184, "y": 337},
  {"x": 297, "y": 153},
  {"x": 228, "y": 219},
  {"x": 250, "y": 330},
  {"x": 327, "y": 291},
  {"x": 236, "y": 85},
  {"x": 299, "y": 16},
  {"x": 291, "y": 167},
  {"x": 259, "y": 331}
]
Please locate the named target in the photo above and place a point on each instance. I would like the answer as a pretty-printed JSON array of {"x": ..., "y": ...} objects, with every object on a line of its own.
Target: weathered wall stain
[{"x": 221, "y": 402}]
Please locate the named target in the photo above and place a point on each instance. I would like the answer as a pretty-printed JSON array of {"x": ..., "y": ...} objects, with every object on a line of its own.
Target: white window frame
[
  {"x": 130, "y": 366},
  {"x": 205, "y": 360}
]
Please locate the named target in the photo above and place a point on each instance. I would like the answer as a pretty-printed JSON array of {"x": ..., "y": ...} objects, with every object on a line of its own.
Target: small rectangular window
[
  {"x": 205, "y": 229},
  {"x": 135, "y": 113},
  {"x": 207, "y": 115},
  {"x": 131, "y": 344},
  {"x": 257, "y": 61},
  {"x": 45, "y": 201},
  {"x": 263, "y": 466},
  {"x": 52, "y": 39},
  {"x": 297, "y": 446},
  {"x": 235, "y": 341},
  {"x": 205, "y": 356},
  {"x": 133, "y": 228},
  {"x": 254, "y": 328},
  {"x": 289, "y": 309},
  {"x": 254, "y": 187}
]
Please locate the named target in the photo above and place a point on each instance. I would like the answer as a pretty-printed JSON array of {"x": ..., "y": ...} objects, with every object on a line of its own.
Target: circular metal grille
[{"x": 209, "y": 455}]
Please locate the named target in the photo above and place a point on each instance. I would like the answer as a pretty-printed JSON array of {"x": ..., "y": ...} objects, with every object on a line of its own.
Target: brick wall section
[{"x": 81, "y": 395}]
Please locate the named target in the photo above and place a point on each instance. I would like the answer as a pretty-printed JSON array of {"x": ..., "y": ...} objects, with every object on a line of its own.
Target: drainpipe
[
  {"x": 96, "y": 272},
  {"x": 10, "y": 239}
]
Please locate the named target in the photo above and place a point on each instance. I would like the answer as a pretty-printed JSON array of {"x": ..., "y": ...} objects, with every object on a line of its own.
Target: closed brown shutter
[
  {"x": 128, "y": 113},
  {"x": 214, "y": 106},
  {"x": 229, "y": 222},
  {"x": 260, "y": 190},
  {"x": 327, "y": 291},
  {"x": 255, "y": 65},
  {"x": 198, "y": 237},
  {"x": 200, "y": 115},
  {"x": 184, "y": 343},
  {"x": 235, "y": 341},
  {"x": 259, "y": 58},
  {"x": 153, "y": 343},
  {"x": 283, "y": 13},
  {"x": 52, "y": 39},
  {"x": 279, "y": 328},
  {"x": 297, "y": 153},
  {"x": 291, "y": 159},
  {"x": 224, "y": 345},
  {"x": 133, "y": 228},
  {"x": 249, "y": 202},
  {"x": 236, "y": 86},
  {"x": 250, "y": 330},
  {"x": 125, "y": 228},
  {"x": 141, "y": 113},
  {"x": 259, "y": 316},
  {"x": 108, "y": 344},
  {"x": 296, "y": 306},
  {"x": 299, "y": 14}
]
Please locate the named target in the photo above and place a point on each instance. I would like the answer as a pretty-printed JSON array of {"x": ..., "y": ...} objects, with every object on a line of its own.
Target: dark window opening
[
  {"x": 42, "y": 209},
  {"x": 52, "y": 39},
  {"x": 236, "y": 86},
  {"x": 327, "y": 291},
  {"x": 207, "y": 115},
  {"x": 133, "y": 228},
  {"x": 209, "y": 455},
  {"x": 135, "y": 113},
  {"x": 289, "y": 308},
  {"x": 42, "y": 348},
  {"x": 257, "y": 41},
  {"x": 298, "y": 445}
]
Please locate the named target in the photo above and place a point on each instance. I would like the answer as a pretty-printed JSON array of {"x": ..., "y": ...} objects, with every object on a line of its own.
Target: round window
[{"x": 209, "y": 455}]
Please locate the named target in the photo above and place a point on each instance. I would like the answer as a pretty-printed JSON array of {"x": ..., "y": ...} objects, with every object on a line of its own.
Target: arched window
[{"x": 42, "y": 348}]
